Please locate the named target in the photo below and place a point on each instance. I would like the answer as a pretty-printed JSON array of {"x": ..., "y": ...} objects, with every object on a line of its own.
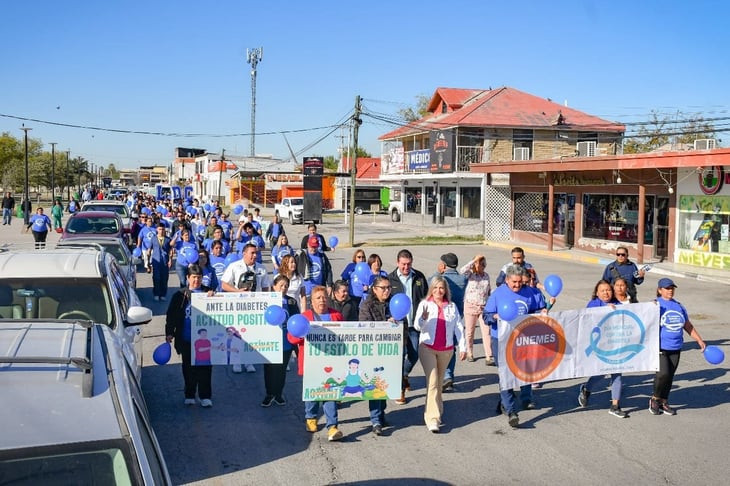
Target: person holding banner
[
  {"x": 319, "y": 312},
  {"x": 603, "y": 296},
  {"x": 440, "y": 328},
  {"x": 275, "y": 373},
  {"x": 673, "y": 319},
  {"x": 621, "y": 290},
  {"x": 178, "y": 327},
  {"x": 375, "y": 308},
  {"x": 527, "y": 302}
]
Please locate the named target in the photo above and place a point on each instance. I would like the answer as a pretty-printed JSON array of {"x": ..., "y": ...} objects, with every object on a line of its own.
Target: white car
[
  {"x": 115, "y": 247},
  {"x": 73, "y": 284}
]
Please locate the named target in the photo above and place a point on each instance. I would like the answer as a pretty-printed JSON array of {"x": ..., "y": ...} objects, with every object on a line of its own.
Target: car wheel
[
  {"x": 358, "y": 211},
  {"x": 291, "y": 218},
  {"x": 395, "y": 216}
]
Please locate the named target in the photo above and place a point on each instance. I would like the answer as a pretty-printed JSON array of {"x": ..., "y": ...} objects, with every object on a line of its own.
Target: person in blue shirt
[
  {"x": 673, "y": 320},
  {"x": 217, "y": 236},
  {"x": 160, "y": 261},
  {"x": 227, "y": 226},
  {"x": 315, "y": 268},
  {"x": 527, "y": 302},
  {"x": 281, "y": 249},
  {"x": 245, "y": 235},
  {"x": 602, "y": 297},
  {"x": 210, "y": 278},
  {"x": 217, "y": 261},
  {"x": 39, "y": 223},
  {"x": 355, "y": 286},
  {"x": 183, "y": 244},
  {"x": 274, "y": 231}
]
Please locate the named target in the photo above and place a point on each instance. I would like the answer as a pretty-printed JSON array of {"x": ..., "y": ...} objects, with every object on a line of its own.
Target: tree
[
  {"x": 413, "y": 113},
  {"x": 660, "y": 131}
]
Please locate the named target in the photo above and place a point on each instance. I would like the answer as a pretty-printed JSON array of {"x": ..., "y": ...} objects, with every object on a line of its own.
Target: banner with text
[
  {"x": 579, "y": 343},
  {"x": 353, "y": 361},
  {"x": 229, "y": 328}
]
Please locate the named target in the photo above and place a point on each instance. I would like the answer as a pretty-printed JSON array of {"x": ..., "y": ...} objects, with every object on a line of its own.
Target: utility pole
[
  {"x": 53, "y": 172},
  {"x": 353, "y": 167},
  {"x": 253, "y": 57},
  {"x": 68, "y": 172},
  {"x": 26, "y": 213},
  {"x": 220, "y": 175}
]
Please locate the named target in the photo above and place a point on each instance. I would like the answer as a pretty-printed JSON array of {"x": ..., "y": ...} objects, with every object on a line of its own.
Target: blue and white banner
[
  {"x": 419, "y": 159},
  {"x": 579, "y": 343}
]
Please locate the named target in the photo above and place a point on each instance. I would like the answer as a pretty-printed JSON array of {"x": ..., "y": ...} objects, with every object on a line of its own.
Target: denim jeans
[
  {"x": 182, "y": 274},
  {"x": 7, "y": 215},
  {"x": 411, "y": 351},
  {"x": 377, "y": 411},
  {"x": 615, "y": 384},
  {"x": 311, "y": 410},
  {"x": 507, "y": 397}
]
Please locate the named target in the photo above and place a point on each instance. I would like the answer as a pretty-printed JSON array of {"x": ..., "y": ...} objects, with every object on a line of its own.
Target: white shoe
[
  {"x": 189, "y": 401},
  {"x": 250, "y": 368},
  {"x": 206, "y": 402},
  {"x": 237, "y": 368},
  {"x": 433, "y": 427}
]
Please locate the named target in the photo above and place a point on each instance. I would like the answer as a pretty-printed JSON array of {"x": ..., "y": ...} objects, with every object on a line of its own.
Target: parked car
[
  {"x": 101, "y": 223},
  {"x": 73, "y": 411},
  {"x": 73, "y": 283},
  {"x": 115, "y": 247}
]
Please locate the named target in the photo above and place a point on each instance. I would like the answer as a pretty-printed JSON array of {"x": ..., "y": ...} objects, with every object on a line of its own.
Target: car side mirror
[{"x": 138, "y": 315}]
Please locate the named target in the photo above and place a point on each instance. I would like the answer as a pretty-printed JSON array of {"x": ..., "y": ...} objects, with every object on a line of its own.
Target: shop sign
[
  {"x": 565, "y": 180},
  {"x": 717, "y": 261},
  {"x": 705, "y": 204},
  {"x": 710, "y": 179}
]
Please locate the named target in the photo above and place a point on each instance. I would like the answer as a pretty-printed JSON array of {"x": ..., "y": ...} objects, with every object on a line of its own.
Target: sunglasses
[
  {"x": 382, "y": 287},
  {"x": 360, "y": 257},
  {"x": 622, "y": 254}
]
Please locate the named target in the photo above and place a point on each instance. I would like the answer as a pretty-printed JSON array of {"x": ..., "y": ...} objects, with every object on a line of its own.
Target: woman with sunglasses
[
  {"x": 624, "y": 268},
  {"x": 356, "y": 290},
  {"x": 375, "y": 308}
]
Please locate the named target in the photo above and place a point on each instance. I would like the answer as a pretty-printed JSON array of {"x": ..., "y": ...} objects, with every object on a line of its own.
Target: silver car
[
  {"x": 73, "y": 411},
  {"x": 112, "y": 245}
]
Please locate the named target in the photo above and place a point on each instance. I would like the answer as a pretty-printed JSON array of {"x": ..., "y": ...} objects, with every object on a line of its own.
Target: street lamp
[
  {"x": 53, "y": 172},
  {"x": 26, "y": 213}
]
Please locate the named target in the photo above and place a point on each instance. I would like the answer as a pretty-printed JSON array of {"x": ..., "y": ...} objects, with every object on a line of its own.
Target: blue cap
[{"x": 665, "y": 283}]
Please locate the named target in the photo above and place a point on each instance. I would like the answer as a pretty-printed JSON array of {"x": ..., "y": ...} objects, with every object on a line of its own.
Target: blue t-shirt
[
  {"x": 40, "y": 223},
  {"x": 316, "y": 276},
  {"x": 599, "y": 303},
  {"x": 526, "y": 300},
  {"x": 672, "y": 318},
  {"x": 218, "y": 263},
  {"x": 279, "y": 252}
]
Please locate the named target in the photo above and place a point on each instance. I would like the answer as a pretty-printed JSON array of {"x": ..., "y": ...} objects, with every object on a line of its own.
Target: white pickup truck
[{"x": 290, "y": 209}]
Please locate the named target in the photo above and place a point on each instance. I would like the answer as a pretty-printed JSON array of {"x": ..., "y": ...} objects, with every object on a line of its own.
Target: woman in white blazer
[{"x": 439, "y": 322}]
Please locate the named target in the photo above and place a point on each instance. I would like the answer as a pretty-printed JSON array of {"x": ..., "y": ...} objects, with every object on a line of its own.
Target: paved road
[{"x": 238, "y": 442}]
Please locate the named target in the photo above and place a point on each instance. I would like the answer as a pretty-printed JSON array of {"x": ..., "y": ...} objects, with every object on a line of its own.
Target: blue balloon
[
  {"x": 146, "y": 210},
  {"x": 400, "y": 306},
  {"x": 189, "y": 255},
  {"x": 363, "y": 272},
  {"x": 137, "y": 252},
  {"x": 162, "y": 353},
  {"x": 553, "y": 285},
  {"x": 232, "y": 257},
  {"x": 333, "y": 241},
  {"x": 161, "y": 209},
  {"x": 275, "y": 315},
  {"x": 207, "y": 207},
  {"x": 237, "y": 209},
  {"x": 508, "y": 310},
  {"x": 714, "y": 355},
  {"x": 191, "y": 210},
  {"x": 298, "y": 325}
]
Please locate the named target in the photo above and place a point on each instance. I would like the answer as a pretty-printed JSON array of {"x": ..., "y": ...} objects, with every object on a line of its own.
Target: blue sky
[{"x": 180, "y": 67}]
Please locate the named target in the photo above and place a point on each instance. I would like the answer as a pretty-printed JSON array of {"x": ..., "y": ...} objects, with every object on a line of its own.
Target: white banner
[
  {"x": 229, "y": 328},
  {"x": 353, "y": 361},
  {"x": 579, "y": 343}
]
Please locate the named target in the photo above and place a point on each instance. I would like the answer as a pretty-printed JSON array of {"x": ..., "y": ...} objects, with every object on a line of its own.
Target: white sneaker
[
  {"x": 206, "y": 402},
  {"x": 237, "y": 368},
  {"x": 250, "y": 368},
  {"x": 189, "y": 401}
]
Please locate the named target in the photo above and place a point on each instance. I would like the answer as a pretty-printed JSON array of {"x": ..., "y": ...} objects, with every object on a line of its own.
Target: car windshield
[
  {"x": 83, "y": 225},
  {"x": 67, "y": 298},
  {"x": 114, "y": 248},
  {"x": 120, "y": 209},
  {"x": 101, "y": 462},
  {"x": 297, "y": 202}
]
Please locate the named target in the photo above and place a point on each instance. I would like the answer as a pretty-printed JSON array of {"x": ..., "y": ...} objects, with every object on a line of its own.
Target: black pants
[
  {"x": 668, "y": 363},
  {"x": 275, "y": 375},
  {"x": 197, "y": 378},
  {"x": 40, "y": 238}
]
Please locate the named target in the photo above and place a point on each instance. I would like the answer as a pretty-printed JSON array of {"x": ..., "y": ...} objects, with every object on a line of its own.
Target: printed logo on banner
[
  {"x": 617, "y": 338},
  {"x": 535, "y": 348}
]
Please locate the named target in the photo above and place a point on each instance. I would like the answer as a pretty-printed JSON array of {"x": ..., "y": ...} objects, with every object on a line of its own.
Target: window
[
  {"x": 704, "y": 224},
  {"x": 616, "y": 217},
  {"x": 531, "y": 210}
]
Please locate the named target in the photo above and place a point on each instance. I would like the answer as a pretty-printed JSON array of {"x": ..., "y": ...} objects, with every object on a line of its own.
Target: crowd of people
[{"x": 440, "y": 326}]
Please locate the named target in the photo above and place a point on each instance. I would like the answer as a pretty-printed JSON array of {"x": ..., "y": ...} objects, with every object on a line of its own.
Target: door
[{"x": 661, "y": 228}]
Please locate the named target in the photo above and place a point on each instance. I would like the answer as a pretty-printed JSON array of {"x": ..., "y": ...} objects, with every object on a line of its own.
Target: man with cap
[
  {"x": 446, "y": 268},
  {"x": 312, "y": 231},
  {"x": 315, "y": 267}
]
